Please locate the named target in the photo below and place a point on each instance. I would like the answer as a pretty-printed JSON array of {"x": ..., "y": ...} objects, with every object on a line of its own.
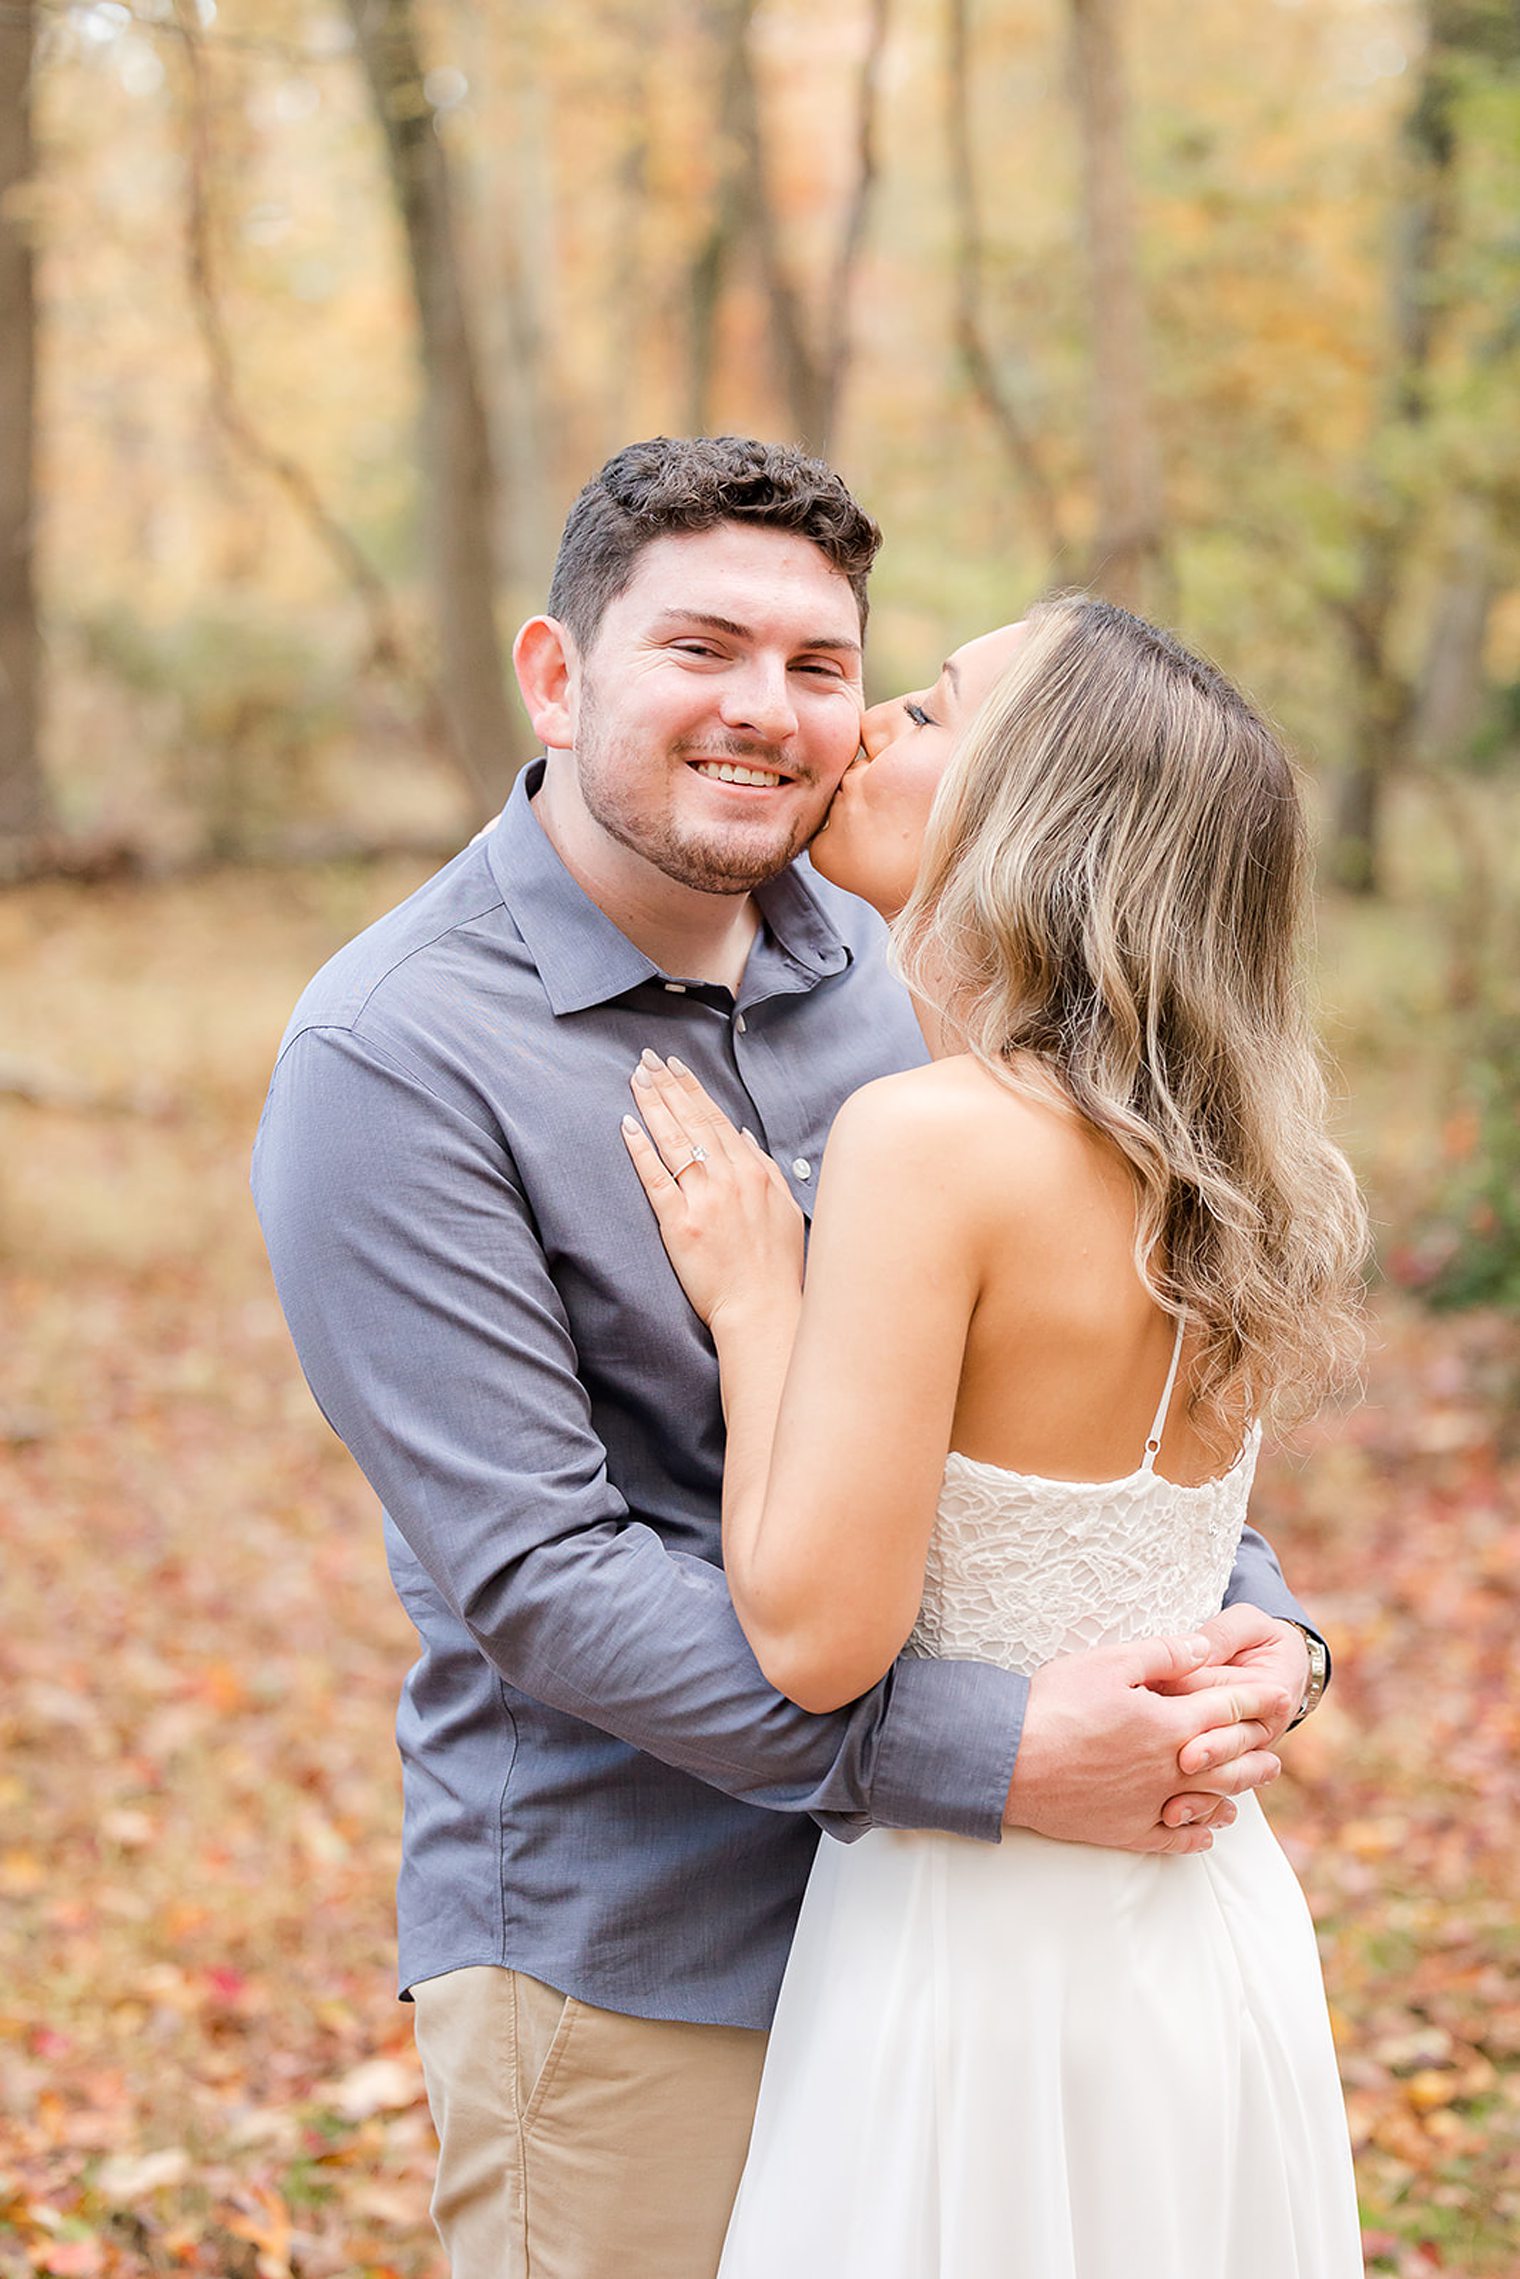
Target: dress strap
[{"x": 1153, "y": 1437}]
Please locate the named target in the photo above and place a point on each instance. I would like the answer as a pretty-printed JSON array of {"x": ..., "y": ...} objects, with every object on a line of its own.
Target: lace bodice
[{"x": 1021, "y": 1568}]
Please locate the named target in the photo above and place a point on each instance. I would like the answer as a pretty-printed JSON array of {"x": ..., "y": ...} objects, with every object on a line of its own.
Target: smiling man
[
  {"x": 609, "y": 1815},
  {"x": 693, "y": 751}
]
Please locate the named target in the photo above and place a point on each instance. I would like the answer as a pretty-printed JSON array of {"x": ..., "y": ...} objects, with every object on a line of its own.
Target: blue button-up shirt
[{"x": 600, "y": 1788}]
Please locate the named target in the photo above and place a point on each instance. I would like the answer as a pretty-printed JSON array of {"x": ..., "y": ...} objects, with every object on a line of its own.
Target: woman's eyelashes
[{"x": 917, "y": 714}]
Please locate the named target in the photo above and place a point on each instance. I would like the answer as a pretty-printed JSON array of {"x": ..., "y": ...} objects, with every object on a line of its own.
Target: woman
[{"x": 1057, "y": 1280}]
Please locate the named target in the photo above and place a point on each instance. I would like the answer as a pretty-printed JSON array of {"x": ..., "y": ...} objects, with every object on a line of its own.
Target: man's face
[{"x": 718, "y": 705}]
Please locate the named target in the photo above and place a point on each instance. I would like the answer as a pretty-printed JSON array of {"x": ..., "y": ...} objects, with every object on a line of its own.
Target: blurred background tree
[
  {"x": 23, "y": 800},
  {"x": 1437, "y": 476},
  {"x": 340, "y": 301},
  {"x": 1216, "y": 312},
  {"x": 458, "y": 463}
]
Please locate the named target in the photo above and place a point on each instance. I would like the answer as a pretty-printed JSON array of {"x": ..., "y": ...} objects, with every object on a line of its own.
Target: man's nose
[{"x": 759, "y": 700}]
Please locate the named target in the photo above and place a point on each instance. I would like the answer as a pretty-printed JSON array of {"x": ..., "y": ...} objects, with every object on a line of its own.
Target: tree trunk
[
  {"x": 528, "y": 400},
  {"x": 980, "y": 366},
  {"x": 1458, "y": 33},
  {"x": 1451, "y": 691},
  {"x": 1399, "y": 719},
  {"x": 725, "y": 232},
  {"x": 813, "y": 361},
  {"x": 1379, "y": 743},
  {"x": 804, "y": 381},
  {"x": 23, "y": 797},
  {"x": 629, "y": 288},
  {"x": 510, "y": 187},
  {"x": 838, "y": 338},
  {"x": 1129, "y": 562},
  {"x": 482, "y": 722},
  {"x": 1481, "y": 965}
]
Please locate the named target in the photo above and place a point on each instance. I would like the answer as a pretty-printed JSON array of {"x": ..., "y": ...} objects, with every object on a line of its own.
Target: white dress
[{"x": 1035, "y": 2060}]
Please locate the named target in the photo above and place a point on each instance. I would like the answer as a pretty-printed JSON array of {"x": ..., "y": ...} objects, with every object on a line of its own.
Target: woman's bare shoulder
[{"x": 956, "y": 1114}]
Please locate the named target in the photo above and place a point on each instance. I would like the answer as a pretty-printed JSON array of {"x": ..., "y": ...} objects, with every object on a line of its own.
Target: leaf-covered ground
[{"x": 204, "y": 2068}]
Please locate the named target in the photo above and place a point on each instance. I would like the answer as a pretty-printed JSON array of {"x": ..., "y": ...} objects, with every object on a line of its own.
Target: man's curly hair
[{"x": 695, "y": 482}]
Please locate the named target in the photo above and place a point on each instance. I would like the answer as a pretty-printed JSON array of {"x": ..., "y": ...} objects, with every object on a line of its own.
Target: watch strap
[{"x": 1319, "y": 1674}]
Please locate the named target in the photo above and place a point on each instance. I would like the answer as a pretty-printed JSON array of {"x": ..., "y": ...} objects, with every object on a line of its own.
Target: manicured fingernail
[
  {"x": 677, "y": 1067},
  {"x": 642, "y": 1075},
  {"x": 632, "y": 1124},
  {"x": 649, "y": 1059}
]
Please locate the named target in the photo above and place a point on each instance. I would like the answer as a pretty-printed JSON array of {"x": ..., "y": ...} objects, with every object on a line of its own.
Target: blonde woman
[{"x": 1058, "y": 1281}]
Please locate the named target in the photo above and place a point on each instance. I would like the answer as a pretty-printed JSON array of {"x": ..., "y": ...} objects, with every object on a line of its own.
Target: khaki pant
[{"x": 575, "y": 2143}]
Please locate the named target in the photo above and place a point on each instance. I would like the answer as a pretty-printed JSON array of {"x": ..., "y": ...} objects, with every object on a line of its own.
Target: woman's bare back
[{"x": 1066, "y": 1351}]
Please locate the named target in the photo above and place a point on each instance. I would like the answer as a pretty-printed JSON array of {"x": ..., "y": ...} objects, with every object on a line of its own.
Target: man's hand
[
  {"x": 1105, "y": 1732},
  {"x": 1245, "y": 1643}
]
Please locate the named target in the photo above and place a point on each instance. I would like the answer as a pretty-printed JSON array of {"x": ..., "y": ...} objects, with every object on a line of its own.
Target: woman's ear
[{"x": 548, "y": 673}]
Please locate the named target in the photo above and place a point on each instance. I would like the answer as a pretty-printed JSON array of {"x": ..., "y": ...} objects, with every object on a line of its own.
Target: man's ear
[{"x": 548, "y": 673}]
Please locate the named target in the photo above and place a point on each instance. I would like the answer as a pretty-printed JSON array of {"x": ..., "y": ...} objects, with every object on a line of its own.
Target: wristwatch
[{"x": 1319, "y": 1673}]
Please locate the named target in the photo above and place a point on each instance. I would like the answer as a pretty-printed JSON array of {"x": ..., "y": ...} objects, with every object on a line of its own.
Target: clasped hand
[{"x": 1144, "y": 1747}]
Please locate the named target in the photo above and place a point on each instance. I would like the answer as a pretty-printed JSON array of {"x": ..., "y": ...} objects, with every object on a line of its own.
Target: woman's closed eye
[{"x": 917, "y": 714}]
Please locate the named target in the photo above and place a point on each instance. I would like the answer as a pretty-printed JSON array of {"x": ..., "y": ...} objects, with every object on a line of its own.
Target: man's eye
[
  {"x": 917, "y": 715},
  {"x": 694, "y": 649},
  {"x": 821, "y": 667}
]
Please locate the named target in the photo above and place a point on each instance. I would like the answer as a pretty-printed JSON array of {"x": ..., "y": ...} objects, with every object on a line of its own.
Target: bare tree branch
[
  {"x": 227, "y": 406},
  {"x": 977, "y": 360},
  {"x": 160, "y": 27},
  {"x": 813, "y": 357}
]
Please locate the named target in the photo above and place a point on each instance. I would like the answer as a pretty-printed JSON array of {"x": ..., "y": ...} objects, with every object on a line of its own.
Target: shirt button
[
  {"x": 801, "y": 1168},
  {"x": 740, "y": 1023}
]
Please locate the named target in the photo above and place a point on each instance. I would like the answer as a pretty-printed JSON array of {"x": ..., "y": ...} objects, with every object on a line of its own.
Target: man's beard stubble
[{"x": 728, "y": 862}]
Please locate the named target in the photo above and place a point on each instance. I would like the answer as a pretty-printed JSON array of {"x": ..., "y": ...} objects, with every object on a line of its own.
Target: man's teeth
[{"x": 726, "y": 772}]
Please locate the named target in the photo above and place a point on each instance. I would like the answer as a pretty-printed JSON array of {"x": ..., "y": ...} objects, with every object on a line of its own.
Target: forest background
[{"x": 313, "y": 318}]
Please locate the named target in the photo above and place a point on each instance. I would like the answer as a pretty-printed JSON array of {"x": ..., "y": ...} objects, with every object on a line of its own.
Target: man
[{"x": 609, "y": 1816}]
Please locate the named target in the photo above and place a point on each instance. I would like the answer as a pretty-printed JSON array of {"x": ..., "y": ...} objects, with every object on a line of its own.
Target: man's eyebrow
[{"x": 841, "y": 641}]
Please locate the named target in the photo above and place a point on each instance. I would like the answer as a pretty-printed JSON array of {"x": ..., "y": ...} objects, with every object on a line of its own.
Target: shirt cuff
[{"x": 947, "y": 1748}]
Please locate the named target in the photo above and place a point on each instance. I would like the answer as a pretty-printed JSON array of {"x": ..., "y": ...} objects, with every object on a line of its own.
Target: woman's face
[{"x": 873, "y": 836}]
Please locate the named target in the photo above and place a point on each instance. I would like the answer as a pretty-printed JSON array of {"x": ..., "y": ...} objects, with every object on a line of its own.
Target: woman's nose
[{"x": 877, "y": 729}]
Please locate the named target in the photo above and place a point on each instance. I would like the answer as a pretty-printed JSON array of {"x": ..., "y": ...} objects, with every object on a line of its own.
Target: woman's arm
[{"x": 840, "y": 1403}]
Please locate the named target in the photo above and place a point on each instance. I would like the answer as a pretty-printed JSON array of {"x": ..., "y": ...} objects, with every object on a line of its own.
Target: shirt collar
[{"x": 584, "y": 960}]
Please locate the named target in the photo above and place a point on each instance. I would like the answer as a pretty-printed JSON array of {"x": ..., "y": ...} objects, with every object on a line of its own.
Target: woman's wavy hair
[{"x": 1114, "y": 889}]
